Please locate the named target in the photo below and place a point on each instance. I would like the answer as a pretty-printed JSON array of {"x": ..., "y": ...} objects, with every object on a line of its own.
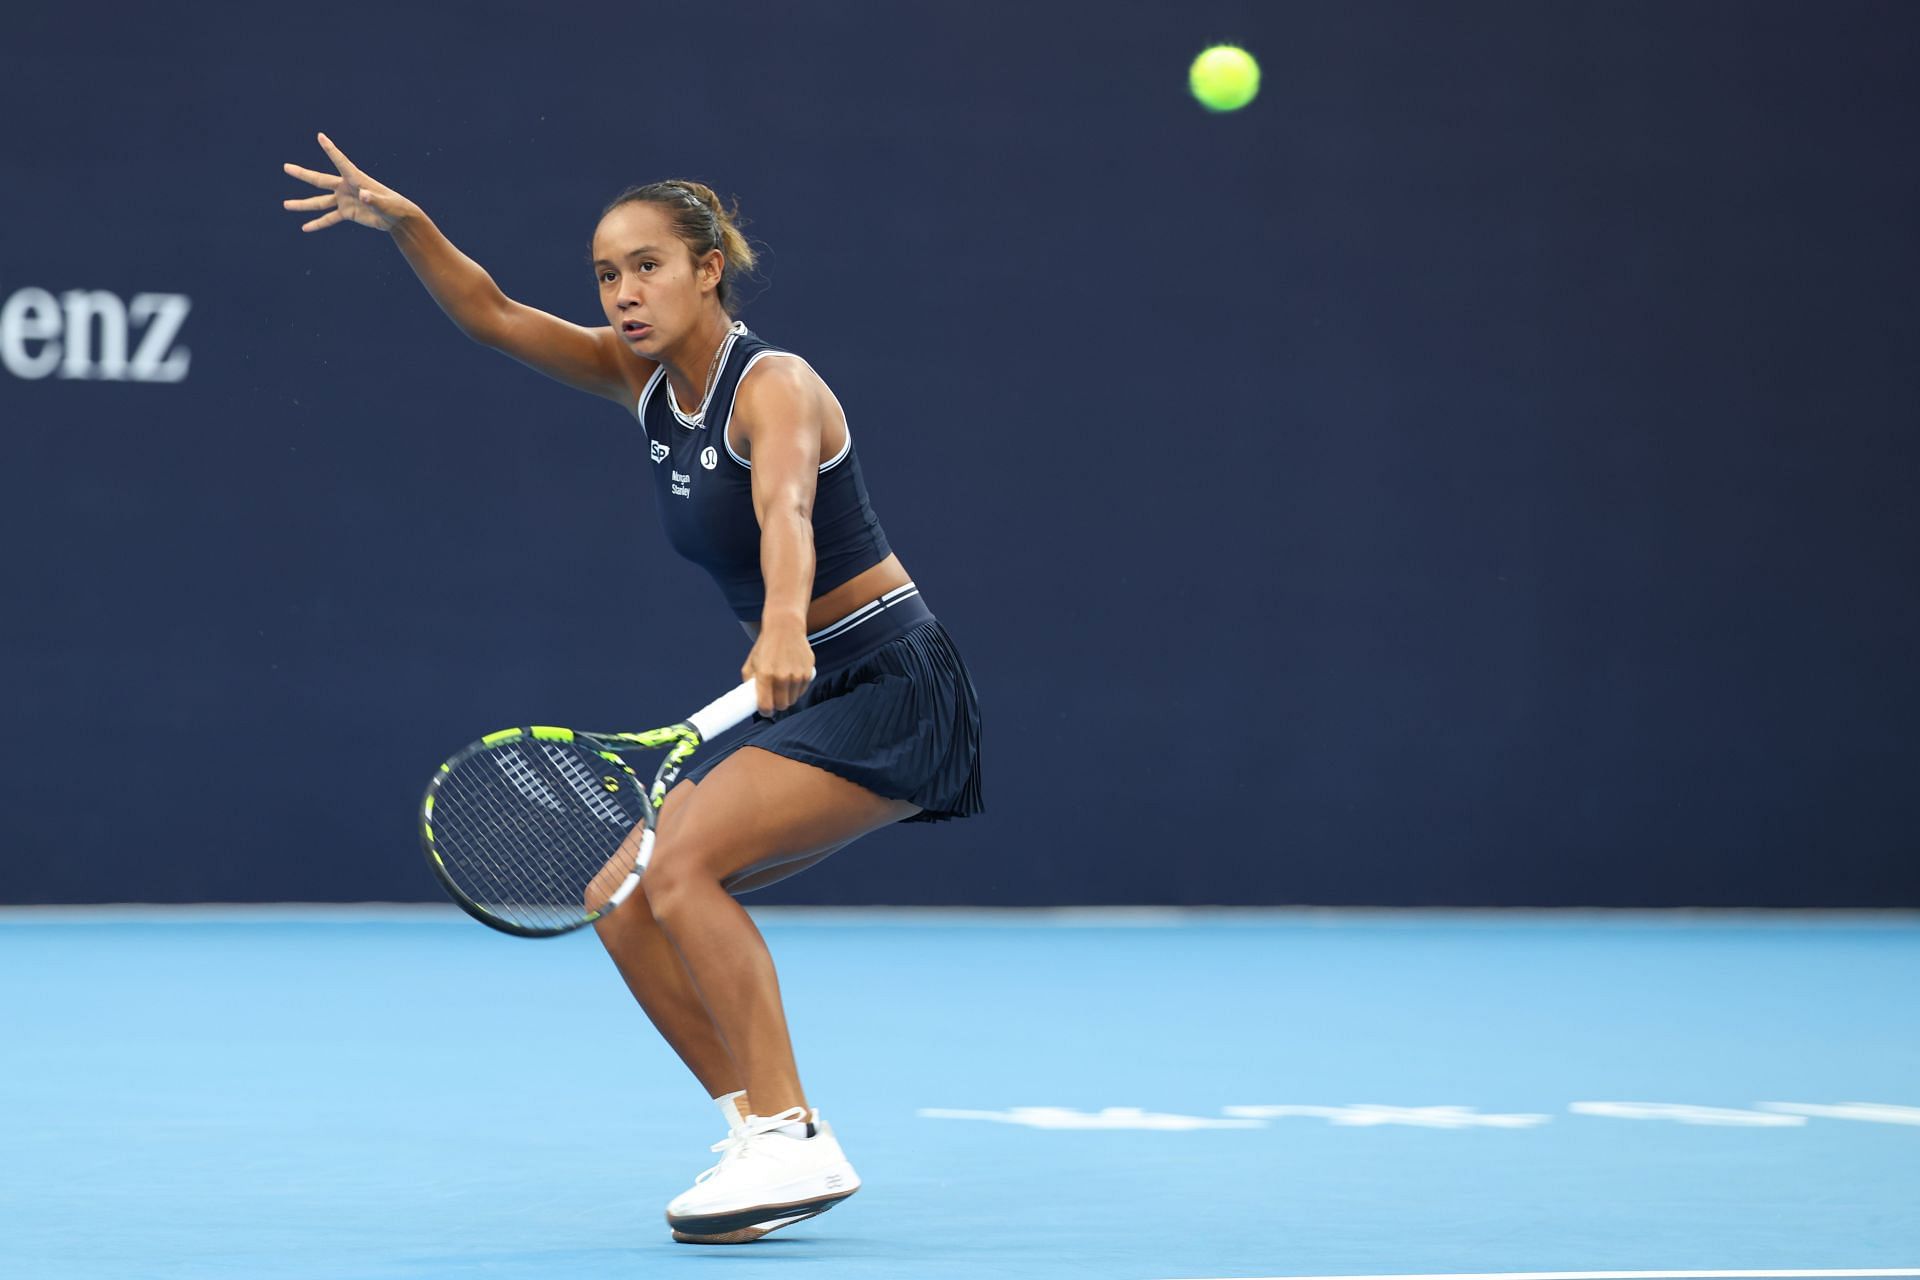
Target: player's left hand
[{"x": 781, "y": 668}]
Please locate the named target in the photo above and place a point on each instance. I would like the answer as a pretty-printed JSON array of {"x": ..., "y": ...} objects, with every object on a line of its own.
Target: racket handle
[{"x": 725, "y": 711}]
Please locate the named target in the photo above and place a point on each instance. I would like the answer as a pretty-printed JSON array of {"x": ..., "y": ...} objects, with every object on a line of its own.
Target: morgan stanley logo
[{"x": 92, "y": 334}]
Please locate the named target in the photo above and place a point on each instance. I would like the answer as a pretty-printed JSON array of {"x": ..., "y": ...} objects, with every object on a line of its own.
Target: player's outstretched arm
[{"x": 588, "y": 359}]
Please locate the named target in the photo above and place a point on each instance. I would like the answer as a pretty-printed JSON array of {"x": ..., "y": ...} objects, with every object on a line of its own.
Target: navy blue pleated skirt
[{"x": 891, "y": 708}]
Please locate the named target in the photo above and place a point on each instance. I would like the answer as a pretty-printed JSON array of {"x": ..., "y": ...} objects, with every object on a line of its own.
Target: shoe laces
[
  {"x": 728, "y": 1147},
  {"x": 739, "y": 1139}
]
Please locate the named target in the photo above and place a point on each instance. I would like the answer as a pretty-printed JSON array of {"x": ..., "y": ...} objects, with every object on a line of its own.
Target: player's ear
[{"x": 710, "y": 268}]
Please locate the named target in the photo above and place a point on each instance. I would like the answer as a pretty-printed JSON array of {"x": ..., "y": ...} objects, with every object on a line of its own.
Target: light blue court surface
[{"x": 1141, "y": 1097}]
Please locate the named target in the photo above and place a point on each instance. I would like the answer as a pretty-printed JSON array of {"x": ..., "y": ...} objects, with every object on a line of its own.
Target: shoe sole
[{"x": 744, "y": 1226}]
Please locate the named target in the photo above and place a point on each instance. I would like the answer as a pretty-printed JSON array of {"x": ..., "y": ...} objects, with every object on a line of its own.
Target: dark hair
[{"x": 702, "y": 221}]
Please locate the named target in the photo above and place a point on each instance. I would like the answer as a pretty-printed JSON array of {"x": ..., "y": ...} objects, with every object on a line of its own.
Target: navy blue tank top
[{"x": 706, "y": 489}]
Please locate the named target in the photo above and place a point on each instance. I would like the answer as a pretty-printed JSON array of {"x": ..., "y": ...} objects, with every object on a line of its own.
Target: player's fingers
[
  {"x": 318, "y": 179},
  {"x": 763, "y": 689},
  {"x": 338, "y": 156},
  {"x": 321, "y": 224},
  {"x": 323, "y": 201}
]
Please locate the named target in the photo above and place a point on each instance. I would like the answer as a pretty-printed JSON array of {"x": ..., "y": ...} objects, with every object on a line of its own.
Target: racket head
[{"x": 536, "y": 831}]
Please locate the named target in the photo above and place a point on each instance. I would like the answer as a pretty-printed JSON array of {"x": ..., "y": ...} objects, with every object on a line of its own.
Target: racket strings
[
  {"x": 526, "y": 829},
  {"x": 527, "y": 891},
  {"x": 529, "y": 866},
  {"x": 478, "y": 833},
  {"x": 599, "y": 798}
]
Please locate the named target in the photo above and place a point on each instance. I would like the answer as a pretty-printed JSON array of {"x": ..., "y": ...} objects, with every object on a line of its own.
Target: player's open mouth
[{"x": 630, "y": 331}]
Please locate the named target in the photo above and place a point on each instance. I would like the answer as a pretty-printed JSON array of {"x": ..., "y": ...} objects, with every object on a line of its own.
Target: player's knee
[
  {"x": 662, "y": 887},
  {"x": 673, "y": 880},
  {"x": 608, "y": 878},
  {"x": 666, "y": 874}
]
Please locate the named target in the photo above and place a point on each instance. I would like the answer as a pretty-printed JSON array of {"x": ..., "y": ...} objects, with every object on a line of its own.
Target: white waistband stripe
[{"x": 865, "y": 613}]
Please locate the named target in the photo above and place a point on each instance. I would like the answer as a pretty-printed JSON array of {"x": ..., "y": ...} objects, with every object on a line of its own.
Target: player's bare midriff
[{"x": 863, "y": 587}]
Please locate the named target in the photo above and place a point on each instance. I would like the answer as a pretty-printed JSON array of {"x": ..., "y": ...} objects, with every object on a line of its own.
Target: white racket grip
[{"x": 725, "y": 711}]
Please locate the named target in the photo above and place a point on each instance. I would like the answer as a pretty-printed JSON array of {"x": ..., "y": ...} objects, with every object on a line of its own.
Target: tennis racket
[{"x": 540, "y": 831}]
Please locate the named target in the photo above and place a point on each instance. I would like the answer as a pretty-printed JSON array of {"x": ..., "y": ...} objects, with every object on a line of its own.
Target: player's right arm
[{"x": 592, "y": 360}]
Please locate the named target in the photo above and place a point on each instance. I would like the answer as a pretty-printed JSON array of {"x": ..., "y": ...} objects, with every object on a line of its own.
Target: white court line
[{"x": 1608, "y": 1275}]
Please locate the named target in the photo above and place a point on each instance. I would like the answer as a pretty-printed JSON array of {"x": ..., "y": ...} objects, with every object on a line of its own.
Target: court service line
[{"x": 1611, "y": 1275}]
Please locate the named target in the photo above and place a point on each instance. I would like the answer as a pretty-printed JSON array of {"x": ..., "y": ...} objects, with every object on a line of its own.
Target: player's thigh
[
  {"x": 773, "y": 871},
  {"x": 608, "y": 878},
  {"x": 756, "y": 810}
]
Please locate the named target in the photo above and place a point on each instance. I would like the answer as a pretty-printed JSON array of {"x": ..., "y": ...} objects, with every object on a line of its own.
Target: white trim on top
[
  {"x": 727, "y": 421},
  {"x": 725, "y": 439},
  {"x": 698, "y": 419},
  {"x": 646, "y": 393},
  {"x": 839, "y": 457}
]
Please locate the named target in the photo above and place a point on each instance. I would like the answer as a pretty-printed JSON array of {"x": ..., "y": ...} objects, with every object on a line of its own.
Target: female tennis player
[{"x": 867, "y": 713}]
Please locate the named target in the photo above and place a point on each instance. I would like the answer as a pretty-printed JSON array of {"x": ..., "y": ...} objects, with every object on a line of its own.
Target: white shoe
[{"x": 765, "y": 1180}]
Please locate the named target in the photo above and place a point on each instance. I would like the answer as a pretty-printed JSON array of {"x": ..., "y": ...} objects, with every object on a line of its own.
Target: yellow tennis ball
[{"x": 1224, "y": 78}]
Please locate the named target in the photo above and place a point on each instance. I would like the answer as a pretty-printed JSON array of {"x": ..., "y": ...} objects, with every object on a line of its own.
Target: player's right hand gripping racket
[{"x": 541, "y": 830}]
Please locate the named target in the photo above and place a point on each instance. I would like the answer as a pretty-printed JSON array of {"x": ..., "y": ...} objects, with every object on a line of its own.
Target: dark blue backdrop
[{"x": 1481, "y": 471}]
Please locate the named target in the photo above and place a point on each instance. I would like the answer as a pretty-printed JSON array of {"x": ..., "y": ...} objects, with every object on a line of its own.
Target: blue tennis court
[{"x": 1146, "y": 1096}]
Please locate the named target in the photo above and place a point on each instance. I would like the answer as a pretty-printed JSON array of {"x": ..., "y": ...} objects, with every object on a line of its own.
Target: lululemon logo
[{"x": 709, "y": 458}]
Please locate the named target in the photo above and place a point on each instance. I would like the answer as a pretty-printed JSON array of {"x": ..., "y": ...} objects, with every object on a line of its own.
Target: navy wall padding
[{"x": 1482, "y": 471}]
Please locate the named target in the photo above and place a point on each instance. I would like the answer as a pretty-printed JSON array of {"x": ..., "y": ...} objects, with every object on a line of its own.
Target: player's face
[{"x": 651, "y": 288}]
